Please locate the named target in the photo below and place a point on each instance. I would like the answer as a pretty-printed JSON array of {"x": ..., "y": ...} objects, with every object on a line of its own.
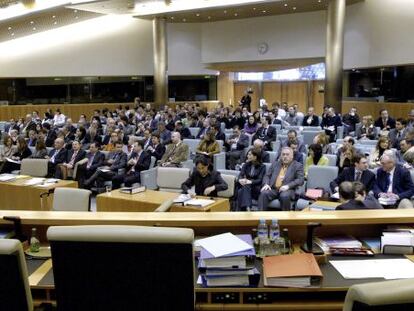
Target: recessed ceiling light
[
  {"x": 12, "y": 34},
  {"x": 209, "y": 17},
  {"x": 294, "y": 8},
  {"x": 198, "y": 14},
  {"x": 9, "y": 28},
  {"x": 286, "y": 4},
  {"x": 34, "y": 28},
  {"x": 54, "y": 23},
  {"x": 54, "y": 16},
  {"x": 264, "y": 11},
  {"x": 254, "y": 9},
  {"x": 32, "y": 22},
  {"x": 235, "y": 14},
  {"x": 184, "y": 20}
]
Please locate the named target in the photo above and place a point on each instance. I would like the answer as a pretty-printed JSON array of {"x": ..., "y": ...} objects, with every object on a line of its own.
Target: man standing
[
  {"x": 393, "y": 183},
  {"x": 282, "y": 181}
]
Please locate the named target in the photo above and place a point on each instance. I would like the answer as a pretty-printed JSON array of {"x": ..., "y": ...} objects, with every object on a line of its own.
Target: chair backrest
[
  {"x": 15, "y": 292},
  {"x": 34, "y": 167},
  {"x": 308, "y": 136},
  {"x": 171, "y": 178},
  {"x": 71, "y": 199},
  {"x": 153, "y": 161},
  {"x": 368, "y": 142},
  {"x": 272, "y": 156},
  {"x": 192, "y": 144},
  {"x": 194, "y": 131},
  {"x": 331, "y": 158},
  {"x": 268, "y": 166},
  {"x": 230, "y": 172},
  {"x": 231, "y": 183},
  {"x": 321, "y": 176},
  {"x": 139, "y": 268}
]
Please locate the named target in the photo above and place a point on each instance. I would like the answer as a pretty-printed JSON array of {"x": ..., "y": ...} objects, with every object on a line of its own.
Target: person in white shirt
[{"x": 59, "y": 119}]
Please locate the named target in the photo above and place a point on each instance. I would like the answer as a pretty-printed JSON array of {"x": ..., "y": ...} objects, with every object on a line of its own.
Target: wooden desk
[
  {"x": 14, "y": 195},
  {"x": 149, "y": 200}
]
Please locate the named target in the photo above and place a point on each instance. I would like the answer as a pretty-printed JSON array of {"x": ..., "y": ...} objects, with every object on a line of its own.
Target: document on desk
[
  {"x": 224, "y": 244},
  {"x": 388, "y": 269},
  {"x": 34, "y": 181}
]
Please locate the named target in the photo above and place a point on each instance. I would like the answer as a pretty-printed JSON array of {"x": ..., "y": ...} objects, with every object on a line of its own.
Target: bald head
[{"x": 388, "y": 161}]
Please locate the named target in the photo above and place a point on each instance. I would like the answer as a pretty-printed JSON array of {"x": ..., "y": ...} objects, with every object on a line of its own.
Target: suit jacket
[
  {"x": 9, "y": 127},
  {"x": 60, "y": 156},
  {"x": 402, "y": 184},
  {"x": 256, "y": 176},
  {"x": 201, "y": 183},
  {"x": 315, "y": 121},
  {"x": 98, "y": 160},
  {"x": 50, "y": 138},
  {"x": 348, "y": 174},
  {"x": 24, "y": 154},
  {"x": 368, "y": 203},
  {"x": 242, "y": 143},
  {"x": 143, "y": 162},
  {"x": 81, "y": 155},
  {"x": 221, "y": 136},
  {"x": 158, "y": 152},
  {"x": 120, "y": 161},
  {"x": 185, "y": 133},
  {"x": 294, "y": 177},
  {"x": 395, "y": 141},
  {"x": 270, "y": 135},
  {"x": 28, "y": 127},
  {"x": 380, "y": 124},
  {"x": 175, "y": 154},
  {"x": 202, "y": 132}
]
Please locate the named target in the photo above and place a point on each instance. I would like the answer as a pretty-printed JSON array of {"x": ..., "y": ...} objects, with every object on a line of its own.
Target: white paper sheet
[
  {"x": 376, "y": 268},
  {"x": 223, "y": 244}
]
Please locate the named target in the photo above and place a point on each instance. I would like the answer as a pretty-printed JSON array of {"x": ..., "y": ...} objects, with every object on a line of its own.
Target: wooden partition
[{"x": 395, "y": 110}]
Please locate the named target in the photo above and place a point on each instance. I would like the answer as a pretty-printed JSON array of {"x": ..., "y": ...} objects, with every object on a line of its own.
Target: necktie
[
  {"x": 358, "y": 176},
  {"x": 72, "y": 159},
  {"x": 90, "y": 161},
  {"x": 265, "y": 132},
  {"x": 52, "y": 159},
  {"x": 387, "y": 182},
  {"x": 280, "y": 177}
]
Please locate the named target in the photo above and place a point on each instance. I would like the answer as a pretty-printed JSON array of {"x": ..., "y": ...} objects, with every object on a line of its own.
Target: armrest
[
  {"x": 149, "y": 178},
  {"x": 381, "y": 293},
  {"x": 188, "y": 164},
  {"x": 219, "y": 161},
  {"x": 75, "y": 169}
]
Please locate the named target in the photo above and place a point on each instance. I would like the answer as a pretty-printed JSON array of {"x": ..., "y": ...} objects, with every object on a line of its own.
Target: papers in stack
[
  {"x": 132, "y": 190},
  {"x": 7, "y": 177},
  {"x": 227, "y": 260},
  {"x": 296, "y": 270},
  {"x": 337, "y": 242},
  {"x": 376, "y": 268},
  {"x": 34, "y": 181},
  {"x": 186, "y": 199},
  {"x": 397, "y": 238}
]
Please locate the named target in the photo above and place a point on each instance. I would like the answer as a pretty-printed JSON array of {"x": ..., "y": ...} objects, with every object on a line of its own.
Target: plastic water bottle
[
  {"x": 262, "y": 235},
  {"x": 34, "y": 241},
  {"x": 277, "y": 244},
  {"x": 285, "y": 236}
]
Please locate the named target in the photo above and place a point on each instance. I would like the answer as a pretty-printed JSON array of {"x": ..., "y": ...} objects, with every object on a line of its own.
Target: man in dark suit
[
  {"x": 330, "y": 124},
  {"x": 353, "y": 196},
  {"x": 385, "y": 122},
  {"x": 117, "y": 160},
  {"x": 393, "y": 182},
  {"x": 359, "y": 172},
  {"x": 50, "y": 135},
  {"x": 273, "y": 114},
  {"x": 28, "y": 125},
  {"x": 281, "y": 182},
  {"x": 156, "y": 149},
  {"x": 184, "y": 131},
  {"x": 218, "y": 133},
  {"x": 264, "y": 155},
  {"x": 11, "y": 126},
  {"x": 56, "y": 156},
  {"x": 266, "y": 133},
  {"x": 204, "y": 129},
  {"x": 398, "y": 133},
  {"x": 310, "y": 119},
  {"x": 95, "y": 159},
  {"x": 206, "y": 181},
  {"x": 140, "y": 161},
  {"x": 31, "y": 141},
  {"x": 235, "y": 146},
  {"x": 73, "y": 156}
]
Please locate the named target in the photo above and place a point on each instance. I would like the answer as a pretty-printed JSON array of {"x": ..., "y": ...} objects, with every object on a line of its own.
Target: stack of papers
[
  {"x": 337, "y": 242},
  {"x": 34, "y": 181},
  {"x": 7, "y": 177},
  {"x": 375, "y": 268},
  {"x": 227, "y": 260},
  {"x": 186, "y": 199},
  {"x": 397, "y": 238},
  {"x": 296, "y": 270}
]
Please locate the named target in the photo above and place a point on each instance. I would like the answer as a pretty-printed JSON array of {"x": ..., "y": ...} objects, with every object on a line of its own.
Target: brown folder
[{"x": 285, "y": 270}]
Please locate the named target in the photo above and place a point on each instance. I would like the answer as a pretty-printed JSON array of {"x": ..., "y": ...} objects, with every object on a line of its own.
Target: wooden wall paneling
[
  {"x": 241, "y": 87},
  {"x": 318, "y": 97},
  {"x": 395, "y": 110},
  {"x": 297, "y": 93},
  {"x": 272, "y": 92},
  {"x": 225, "y": 88}
]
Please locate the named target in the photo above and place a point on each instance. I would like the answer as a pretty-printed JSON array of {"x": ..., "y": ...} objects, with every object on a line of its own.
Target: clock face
[{"x": 263, "y": 47}]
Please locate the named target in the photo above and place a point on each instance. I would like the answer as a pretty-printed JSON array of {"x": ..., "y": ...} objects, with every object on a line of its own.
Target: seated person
[
  {"x": 21, "y": 153},
  {"x": 266, "y": 133},
  {"x": 367, "y": 129},
  {"x": 310, "y": 119},
  {"x": 140, "y": 160},
  {"x": 330, "y": 124},
  {"x": 204, "y": 129},
  {"x": 74, "y": 155},
  {"x": 315, "y": 157},
  {"x": 8, "y": 149},
  {"x": 216, "y": 129},
  {"x": 251, "y": 126},
  {"x": 297, "y": 156},
  {"x": 207, "y": 182},
  {"x": 353, "y": 196},
  {"x": 184, "y": 131},
  {"x": 293, "y": 135},
  {"x": 385, "y": 122},
  {"x": 250, "y": 179},
  {"x": 264, "y": 155},
  {"x": 345, "y": 157},
  {"x": 31, "y": 141},
  {"x": 40, "y": 151},
  {"x": 176, "y": 152},
  {"x": 398, "y": 133},
  {"x": 406, "y": 153},
  {"x": 281, "y": 182},
  {"x": 95, "y": 159},
  {"x": 393, "y": 181},
  {"x": 235, "y": 147},
  {"x": 117, "y": 160},
  {"x": 291, "y": 118},
  {"x": 323, "y": 140},
  {"x": 110, "y": 146},
  {"x": 376, "y": 154},
  {"x": 156, "y": 149},
  {"x": 358, "y": 172},
  {"x": 208, "y": 146},
  {"x": 56, "y": 156}
]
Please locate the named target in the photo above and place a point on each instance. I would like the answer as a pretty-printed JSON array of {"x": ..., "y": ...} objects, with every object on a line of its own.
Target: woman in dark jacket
[
  {"x": 250, "y": 179},
  {"x": 22, "y": 152}
]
